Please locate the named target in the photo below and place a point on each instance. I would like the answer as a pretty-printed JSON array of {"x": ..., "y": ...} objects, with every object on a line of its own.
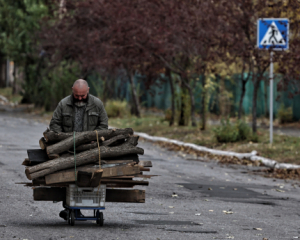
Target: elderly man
[{"x": 79, "y": 112}]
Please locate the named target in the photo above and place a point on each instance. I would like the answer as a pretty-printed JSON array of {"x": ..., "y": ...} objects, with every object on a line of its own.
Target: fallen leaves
[
  {"x": 281, "y": 173},
  {"x": 258, "y": 229},
  {"x": 174, "y": 195},
  {"x": 227, "y": 212}
]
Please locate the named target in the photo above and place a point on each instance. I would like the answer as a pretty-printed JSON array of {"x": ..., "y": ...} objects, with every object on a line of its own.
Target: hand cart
[
  {"x": 83, "y": 198},
  {"x": 74, "y": 214}
]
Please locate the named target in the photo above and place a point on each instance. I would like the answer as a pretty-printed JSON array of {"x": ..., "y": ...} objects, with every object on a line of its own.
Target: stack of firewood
[{"x": 87, "y": 159}]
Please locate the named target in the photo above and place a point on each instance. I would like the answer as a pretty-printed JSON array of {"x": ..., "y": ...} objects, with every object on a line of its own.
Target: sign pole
[{"x": 271, "y": 97}]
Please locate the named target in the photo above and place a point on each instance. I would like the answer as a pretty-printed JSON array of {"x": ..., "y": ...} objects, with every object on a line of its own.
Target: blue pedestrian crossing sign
[{"x": 273, "y": 33}]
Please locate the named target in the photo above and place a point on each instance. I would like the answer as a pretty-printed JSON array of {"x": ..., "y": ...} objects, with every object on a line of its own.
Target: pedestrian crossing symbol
[{"x": 272, "y": 33}]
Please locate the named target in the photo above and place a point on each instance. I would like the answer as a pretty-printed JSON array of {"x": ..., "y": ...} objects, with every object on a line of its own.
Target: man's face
[{"x": 80, "y": 93}]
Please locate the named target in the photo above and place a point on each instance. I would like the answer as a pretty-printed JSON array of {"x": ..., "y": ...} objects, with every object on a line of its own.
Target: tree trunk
[
  {"x": 193, "y": 118},
  {"x": 86, "y": 157},
  {"x": 135, "y": 100},
  {"x": 254, "y": 104},
  {"x": 181, "y": 121},
  {"x": 242, "y": 98},
  {"x": 169, "y": 75},
  {"x": 203, "y": 114},
  {"x": 84, "y": 137}
]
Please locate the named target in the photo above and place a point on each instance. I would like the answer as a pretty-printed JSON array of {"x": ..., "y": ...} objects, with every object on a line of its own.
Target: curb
[{"x": 251, "y": 156}]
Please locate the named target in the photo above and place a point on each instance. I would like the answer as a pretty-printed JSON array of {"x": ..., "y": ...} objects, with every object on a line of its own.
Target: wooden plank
[
  {"x": 119, "y": 185},
  {"x": 96, "y": 178},
  {"x": 129, "y": 196},
  {"x": 133, "y": 157},
  {"x": 49, "y": 194},
  {"x": 69, "y": 175},
  {"x": 143, "y": 169},
  {"x": 108, "y": 180},
  {"x": 118, "y": 161},
  {"x": 37, "y": 155},
  {"x": 145, "y": 163}
]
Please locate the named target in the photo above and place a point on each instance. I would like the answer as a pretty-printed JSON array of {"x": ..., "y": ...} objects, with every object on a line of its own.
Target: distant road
[{"x": 189, "y": 200}]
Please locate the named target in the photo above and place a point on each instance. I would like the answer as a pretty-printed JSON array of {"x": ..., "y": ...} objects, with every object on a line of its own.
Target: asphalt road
[{"x": 209, "y": 201}]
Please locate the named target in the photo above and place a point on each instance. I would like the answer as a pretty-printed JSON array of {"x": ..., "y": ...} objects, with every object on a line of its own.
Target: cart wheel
[
  {"x": 100, "y": 220},
  {"x": 72, "y": 218},
  {"x": 97, "y": 215}
]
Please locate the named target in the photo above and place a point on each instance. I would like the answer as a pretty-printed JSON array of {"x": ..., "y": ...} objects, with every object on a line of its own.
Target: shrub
[
  {"x": 285, "y": 115},
  {"x": 116, "y": 108},
  {"x": 228, "y": 132},
  {"x": 244, "y": 130}
]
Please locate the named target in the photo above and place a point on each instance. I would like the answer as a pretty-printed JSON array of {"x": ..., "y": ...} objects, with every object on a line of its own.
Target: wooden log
[
  {"x": 42, "y": 143},
  {"x": 69, "y": 175},
  {"x": 53, "y": 156},
  {"x": 49, "y": 194},
  {"x": 84, "y": 137},
  {"x": 108, "y": 142},
  {"x": 129, "y": 196},
  {"x": 26, "y": 162},
  {"x": 89, "y": 179},
  {"x": 145, "y": 163},
  {"x": 86, "y": 157}
]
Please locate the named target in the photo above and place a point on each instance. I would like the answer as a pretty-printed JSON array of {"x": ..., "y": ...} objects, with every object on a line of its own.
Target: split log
[
  {"x": 69, "y": 175},
  {"x": 49, "y": 194},
  {"x": 132, "y": 196}
]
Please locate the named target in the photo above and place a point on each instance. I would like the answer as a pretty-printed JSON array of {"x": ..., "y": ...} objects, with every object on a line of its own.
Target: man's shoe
[{"x": 64, "y": 214}]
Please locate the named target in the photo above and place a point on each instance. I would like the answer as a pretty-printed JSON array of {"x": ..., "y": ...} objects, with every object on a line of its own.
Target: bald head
[
  {"x": 80, "y": 90},
  {"x": 80, "y": 83}
]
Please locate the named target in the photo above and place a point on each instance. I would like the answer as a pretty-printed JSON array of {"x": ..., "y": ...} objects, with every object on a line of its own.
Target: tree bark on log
[
  {"x": 54, "y": 137},
  {"x": 84, "y": 137},
  {"x": 90, "y": 156},
  {"x": 108, "y": 142}
]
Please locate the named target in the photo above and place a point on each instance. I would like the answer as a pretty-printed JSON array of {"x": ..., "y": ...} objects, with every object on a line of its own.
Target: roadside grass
[
  {"x": 7, "y": 92},
  {"x": 284, "y": 148}
]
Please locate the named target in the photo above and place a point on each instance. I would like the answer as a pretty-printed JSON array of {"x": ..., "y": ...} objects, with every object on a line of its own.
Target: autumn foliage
[{"x": 186, "y": 38}]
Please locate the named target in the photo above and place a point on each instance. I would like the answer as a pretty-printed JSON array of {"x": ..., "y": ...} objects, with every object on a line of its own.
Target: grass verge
[
  {"x": 285, "y": 149},
  {"x": 7, "y": 92}
]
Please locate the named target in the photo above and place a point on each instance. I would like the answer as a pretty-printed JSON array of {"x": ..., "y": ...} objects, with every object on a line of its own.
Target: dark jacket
[{"x": 95, "y": 116}]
